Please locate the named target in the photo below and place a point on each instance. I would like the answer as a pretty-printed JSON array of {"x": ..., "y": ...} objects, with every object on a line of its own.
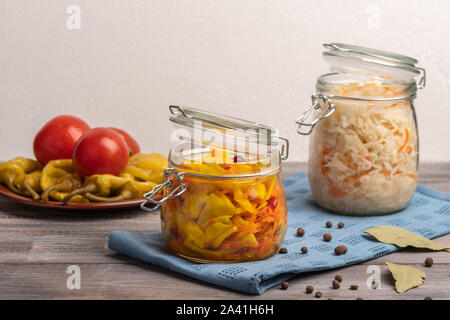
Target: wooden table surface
[{"x": 37, "y": 246}]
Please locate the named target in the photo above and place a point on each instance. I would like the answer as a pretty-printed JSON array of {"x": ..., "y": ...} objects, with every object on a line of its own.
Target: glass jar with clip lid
[
  {"x": 223, "y": 199},
  {"x": 364, "y": 144}
]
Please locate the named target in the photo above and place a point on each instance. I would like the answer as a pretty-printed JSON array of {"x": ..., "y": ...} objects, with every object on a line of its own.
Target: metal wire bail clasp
[
  {"x": 423, "y": 79},
  {"x": 167, "y": 183},
  {"x": 317, "y": 103}
]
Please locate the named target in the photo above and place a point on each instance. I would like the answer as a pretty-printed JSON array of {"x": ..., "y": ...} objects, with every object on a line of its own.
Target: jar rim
[
  {"x": 273, "y": 171},
  {"x": 326, "y": 82},
  {"x": 186, "y": 163}
]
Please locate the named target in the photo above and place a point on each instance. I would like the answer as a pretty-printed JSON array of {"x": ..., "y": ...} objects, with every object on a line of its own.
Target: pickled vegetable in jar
[
  {"x": 222, "y": 201},
  {"x": 364, "y": 144}
]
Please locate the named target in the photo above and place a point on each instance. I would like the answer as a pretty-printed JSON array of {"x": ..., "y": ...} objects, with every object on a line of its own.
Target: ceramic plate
[{"x": 132, "y": 203}]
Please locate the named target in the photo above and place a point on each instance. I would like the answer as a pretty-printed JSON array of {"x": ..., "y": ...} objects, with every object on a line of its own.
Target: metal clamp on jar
[
  {"x": 364, "y": 145},
  {"x": 223, "y": 200}
]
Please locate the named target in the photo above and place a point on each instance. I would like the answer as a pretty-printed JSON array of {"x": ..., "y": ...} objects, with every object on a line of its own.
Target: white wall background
[{"x": 248, "y": 58}]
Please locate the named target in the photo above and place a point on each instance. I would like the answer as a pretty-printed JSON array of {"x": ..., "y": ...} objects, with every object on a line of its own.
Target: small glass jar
[
  {"x": 223, "y": 199},
  {"x": 364, "y": 146}
]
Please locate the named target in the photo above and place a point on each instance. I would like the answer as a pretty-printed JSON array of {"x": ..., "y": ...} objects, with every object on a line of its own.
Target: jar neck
[
  {"x": 205, "y": 160},
  {"x": 364, "y": 86}
]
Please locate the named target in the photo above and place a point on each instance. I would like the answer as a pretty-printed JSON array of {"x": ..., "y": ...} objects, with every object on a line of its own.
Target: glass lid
[
  {"x": 345, "y": 58},
  {"x": 229, "y": 127},
  {"x": 188, "y": 117},
  {"x": 219, "y": 145}
]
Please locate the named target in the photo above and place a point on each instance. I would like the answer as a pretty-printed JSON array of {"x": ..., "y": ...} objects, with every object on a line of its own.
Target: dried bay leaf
[
  {"x": 403, "y": 238},
  {"x": 406, "y": 277}
]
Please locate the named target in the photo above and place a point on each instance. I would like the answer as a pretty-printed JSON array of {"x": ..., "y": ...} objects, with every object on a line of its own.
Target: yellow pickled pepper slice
[
  {"x": 20, "y": 176},
  {"x": 244, "y": 202},
  {"x": 271, "y": 184},
  {"x": 218, "y": 230},
  {"x": 142, "y": 186},
  {"x": 28, "y": 165},
  {"x": 210, "y": 206},
  {"x": 247, "y": 239},
  {"x": 106, "y": 183},
  {"x": 147, "y": 167},
  {"x": 32, "y": 183},
  {"x": 194, "y": 235},
  {"x": 54, "y": 172},
  {"x": 261, "y": 190}
]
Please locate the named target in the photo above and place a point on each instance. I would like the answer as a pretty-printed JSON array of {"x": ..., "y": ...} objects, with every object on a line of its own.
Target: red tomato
[
  {"x": 133, "y": 146},
  {"x": 57, "y": 138},
  {"x": 100, "y": 151}
]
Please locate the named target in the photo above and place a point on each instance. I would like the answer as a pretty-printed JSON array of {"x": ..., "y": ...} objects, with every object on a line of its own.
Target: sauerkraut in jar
[
  {"x": 222, "y": 202},
  {"x": 364, "y": 145}
]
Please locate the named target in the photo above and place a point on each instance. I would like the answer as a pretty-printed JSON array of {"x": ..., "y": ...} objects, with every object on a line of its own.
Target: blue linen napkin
[{"x": 428, "y": 215}]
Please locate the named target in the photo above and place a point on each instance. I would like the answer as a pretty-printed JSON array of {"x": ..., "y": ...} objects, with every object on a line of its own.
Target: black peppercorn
[
  {"x": 336, "y": 284},
  {"x": 428, "y": 262},
  {"x": 328, "y": 224},
  {"x": 327, "y": 237},
  {"x": 284, "y": 285},
  {"x": 340, "y": 250},
  {"x": 300, "y": 232},
  {"x": 304, "y": 250},
  {"x": 309, "y": 289}
]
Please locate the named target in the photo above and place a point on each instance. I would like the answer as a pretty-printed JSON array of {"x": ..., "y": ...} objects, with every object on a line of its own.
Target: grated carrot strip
[{"x": 406, "y": 141}]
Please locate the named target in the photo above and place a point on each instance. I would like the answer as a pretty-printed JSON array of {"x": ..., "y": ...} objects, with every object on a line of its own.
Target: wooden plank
[
  {"x": 37, "y": 236},
  {"x": 36, "y": 246},
  {"x": 61, "y": 244},
  {"x": 140, "y": 281}
]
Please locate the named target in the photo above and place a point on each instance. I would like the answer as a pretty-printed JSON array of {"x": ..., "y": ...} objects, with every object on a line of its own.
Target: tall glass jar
[
  {"x": 223, "y": 199},
  {"x": 364, "y": 146}
]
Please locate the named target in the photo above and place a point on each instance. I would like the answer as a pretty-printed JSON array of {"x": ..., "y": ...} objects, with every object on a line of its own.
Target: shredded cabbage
[{"x": 363, "y": 158}]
